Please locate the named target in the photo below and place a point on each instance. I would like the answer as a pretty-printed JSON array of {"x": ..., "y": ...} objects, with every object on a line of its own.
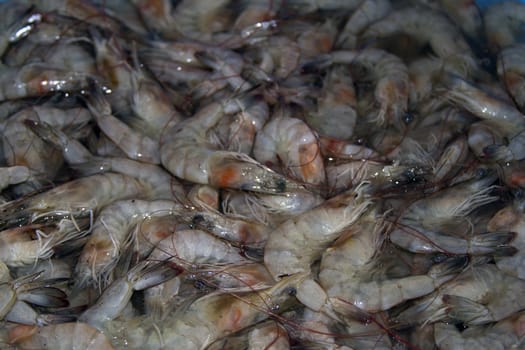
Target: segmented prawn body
[
  {"x": 368, "y": 12},
  {"x": 507, "y": 333},
  {"x": 289, "y": 143},
  {"x": 429, "y": 27},
  {"x": 294, "y": 245},
  {"x": 505, "y": 119},
  {"x": 512, "y": 73},
  {"x": 420, "y": 231},
  {"x": 391, "y": 77},
  {"x": 13, "y": 175},
  {"x": 471, "y": 298},
  {"x": 186, "y": 153},
  {"x": 111, "y": 234},
  {"x": 510, "y": 218},
  {"x": 208, "y": 318},
  {"x": 502, "y": 23},
  {"x": 347, "y": 271},
  {"x": 71, "y": 335}
]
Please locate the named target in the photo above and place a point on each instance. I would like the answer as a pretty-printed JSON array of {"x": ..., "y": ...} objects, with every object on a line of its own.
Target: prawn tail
[
  {"x": 40, "y": 292},
  {"x": 474, "y": 201},
  {"x": 494, "y": 243},
  {"x": 97, "y": 103},
  {"x": 420, "y": 313},
  {"x": 73, "y": 151},
  {"x": 498, "y": 153},
  {"x": 26, "y": 314},
  {"x": 465, "y": 310},
  {"x": 148, "y": 274},
  {"x": 44, "y": 295},
  {"x": 449, "y": 268}
]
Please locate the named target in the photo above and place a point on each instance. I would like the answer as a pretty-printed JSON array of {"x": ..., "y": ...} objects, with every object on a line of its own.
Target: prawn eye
[
  {"x": 481, "y": 172},
  {"x": 408, "y": 118},
  {"x": 200, "y": 285},
  {"x": 197, "y": 219},
  {"x": 280, "y": 185},
  {"x": 291, "y": 291}
]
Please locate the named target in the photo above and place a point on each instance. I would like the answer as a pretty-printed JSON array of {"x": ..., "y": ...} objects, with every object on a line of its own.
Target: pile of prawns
[{"x": 256, "y": 174}]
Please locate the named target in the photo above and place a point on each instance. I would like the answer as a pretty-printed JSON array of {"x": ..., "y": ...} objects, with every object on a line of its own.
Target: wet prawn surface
[{"x": 290, "y": 174}]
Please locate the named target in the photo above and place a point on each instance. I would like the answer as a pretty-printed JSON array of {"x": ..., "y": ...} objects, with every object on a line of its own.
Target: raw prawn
[
  {"x": 207, "y": 319},
  {"x": 511, "y": 218},
  {"x": 134, "y": 144},
  {"x": 366, "y": 13},
  {"x": 480, "y": 295},
  {"x": 505, "y": 334},
  {"x": 116, "y": 296},
  {"x": 295, "y": 244},
  {"x": 111, "y": 235},
  {"x": 286, "y": 143},
  {"x": 63, "y": 336},
  {"x": 429, "y": 27},
  {"x": 13, "y": 175},
  {"x": 391, "y": 76},
  {"x": 186, "y": 153},
  {"x": 36, "y": 80},
  {"x": 503, "y": 22},
  {"x": 512, "y": 72}
]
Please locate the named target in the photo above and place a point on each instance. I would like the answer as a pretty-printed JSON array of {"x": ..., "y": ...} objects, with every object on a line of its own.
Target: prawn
[
  {"x": 70, "y": 336},
  {"x": 22, "y": 246},
  {"x": 208, "y": 318},
  {"x": 80, "y": 197},
  {"x": 503, "y": 23},
  {"x": 268, "y": 335},
  {"x": 435, "y": 223},
  {"x": 346, "y": 271},
  {"x": 480, "y": 295},
  {"x": 218, "y": 265},
  {"x": 22, "y": 148},
  {"x": 135, "y": 145},
  {"x": 511, "y": 218},
  {"x": 111, "y": 234},
  {"x": 288, "y": 143},
  {"x": 227, "y": 65},
  {"x": 28, "y": 289},
  {"x": 430, "y": 27},
  {"x": 296, "y": 243},
  {"x": 20, "y": 27},
  {"x": 239, "y": 134},
  {"x": 512, "y": 73},
  {"x": 235, "y": 230},
  {"x": 160, "y": 182},
  {"x": 391, "y": 76},
  {"x": 187, "y": 154},
  {"x": 464, "y": 13},
  {"x": 204, "y": 21},
  {"x": 152, "y": 106},
  {"x": 116, "y": 296},
  {"x": 366, "y": 13},
  {"x": 268, "y": 209},
  {"x": 336, "y": 114},
  {"x": 505, "y": 334},
  {"x": 504, "y": 118},
  {"x": 13, "y": 175},
  {"x": 37, "y": 79}
]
